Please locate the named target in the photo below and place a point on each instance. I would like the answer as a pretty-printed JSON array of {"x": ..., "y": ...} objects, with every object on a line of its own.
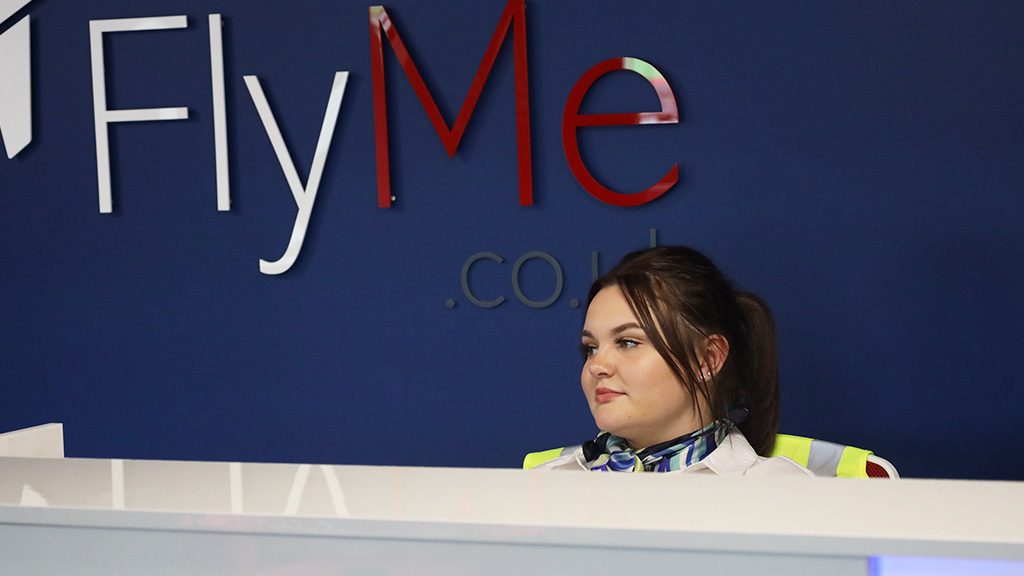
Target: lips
[{"x": 603, "y": 395}]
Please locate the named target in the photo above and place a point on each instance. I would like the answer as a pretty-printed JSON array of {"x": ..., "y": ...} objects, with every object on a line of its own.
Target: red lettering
[
  {"x": 515, "y": 12},
  {"x": 571, "y": 121}
]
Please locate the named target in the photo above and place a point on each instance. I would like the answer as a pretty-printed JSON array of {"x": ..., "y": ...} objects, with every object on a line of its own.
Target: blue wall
[{"x": 859, "y": 165}]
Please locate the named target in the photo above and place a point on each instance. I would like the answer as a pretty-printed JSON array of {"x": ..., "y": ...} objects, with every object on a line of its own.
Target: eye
[
  {"x": 627, "y": 343},
  {"x": 587, "y": 350}
]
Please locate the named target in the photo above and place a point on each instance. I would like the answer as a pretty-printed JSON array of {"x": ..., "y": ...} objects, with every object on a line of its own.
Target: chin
[{"x": 608, "y": 424}]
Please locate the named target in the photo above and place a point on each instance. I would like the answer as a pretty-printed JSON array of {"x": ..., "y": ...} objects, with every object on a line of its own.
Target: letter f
[{"x": 15, "y": 80}]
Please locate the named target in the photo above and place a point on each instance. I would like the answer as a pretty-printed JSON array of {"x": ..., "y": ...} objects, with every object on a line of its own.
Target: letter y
[{"x": 304, "y": 196}]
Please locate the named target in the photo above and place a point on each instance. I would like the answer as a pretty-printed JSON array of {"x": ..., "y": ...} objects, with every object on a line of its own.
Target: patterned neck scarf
[{"x": 609, "y": 453}]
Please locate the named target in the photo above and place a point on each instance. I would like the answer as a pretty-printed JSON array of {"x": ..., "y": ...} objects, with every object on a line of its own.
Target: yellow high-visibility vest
[{"x": 823, "y": 458}]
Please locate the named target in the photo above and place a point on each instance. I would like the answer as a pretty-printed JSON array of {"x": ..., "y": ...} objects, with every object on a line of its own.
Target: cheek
[{"x": 662, "y": 382}]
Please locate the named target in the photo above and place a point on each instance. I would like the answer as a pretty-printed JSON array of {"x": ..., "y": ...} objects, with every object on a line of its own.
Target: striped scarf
[{"x": 609, "y": 453}]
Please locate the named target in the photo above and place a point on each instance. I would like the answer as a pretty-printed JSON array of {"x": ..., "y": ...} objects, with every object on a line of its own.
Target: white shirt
[{"x": 733, "y": 457}]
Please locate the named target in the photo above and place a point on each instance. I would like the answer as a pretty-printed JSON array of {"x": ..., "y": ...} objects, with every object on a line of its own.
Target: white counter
[{"x": 83, "y": 516}]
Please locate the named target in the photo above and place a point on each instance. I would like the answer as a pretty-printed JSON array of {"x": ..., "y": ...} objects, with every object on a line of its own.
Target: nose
[{"x": 600, "y": 365}]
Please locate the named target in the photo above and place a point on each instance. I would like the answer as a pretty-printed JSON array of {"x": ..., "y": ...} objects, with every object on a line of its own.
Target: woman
[{"x": 680, "y": 371}]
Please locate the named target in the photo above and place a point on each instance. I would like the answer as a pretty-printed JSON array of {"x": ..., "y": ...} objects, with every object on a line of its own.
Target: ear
[{"x": 716, "y": 350}]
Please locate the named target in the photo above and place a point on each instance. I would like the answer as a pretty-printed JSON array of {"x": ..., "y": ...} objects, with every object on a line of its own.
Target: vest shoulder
[{"x": 567, "y": 458}]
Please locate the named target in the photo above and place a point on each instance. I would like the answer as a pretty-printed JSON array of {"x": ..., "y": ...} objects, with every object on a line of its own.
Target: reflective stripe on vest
[{"x": 823, "y": 458}]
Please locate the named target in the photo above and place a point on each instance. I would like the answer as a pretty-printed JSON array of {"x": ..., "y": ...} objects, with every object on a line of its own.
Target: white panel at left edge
[
  {"x": 44, "y": 441},
  {"x": 16, "y": 88}
]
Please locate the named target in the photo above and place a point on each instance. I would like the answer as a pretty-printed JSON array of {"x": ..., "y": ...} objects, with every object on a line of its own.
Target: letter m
[{"x": 515, "y": 14}]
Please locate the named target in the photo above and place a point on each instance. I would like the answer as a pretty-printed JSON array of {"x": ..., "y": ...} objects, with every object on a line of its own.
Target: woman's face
[{"x": 631, "y": 389}]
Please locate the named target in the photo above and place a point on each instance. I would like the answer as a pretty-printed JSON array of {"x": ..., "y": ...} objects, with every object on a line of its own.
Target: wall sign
[{"x": 15, "y": 114}]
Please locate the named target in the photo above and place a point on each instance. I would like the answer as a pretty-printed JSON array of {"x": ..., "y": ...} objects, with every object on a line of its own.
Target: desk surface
[{"x": 790, "y": 515}]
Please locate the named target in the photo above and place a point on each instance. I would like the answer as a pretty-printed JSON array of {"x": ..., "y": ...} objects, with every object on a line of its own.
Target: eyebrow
[{"x": 617, "y": 330}]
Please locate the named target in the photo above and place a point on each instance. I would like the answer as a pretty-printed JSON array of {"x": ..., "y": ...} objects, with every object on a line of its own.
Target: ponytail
[{"x": 758, "y": 382}]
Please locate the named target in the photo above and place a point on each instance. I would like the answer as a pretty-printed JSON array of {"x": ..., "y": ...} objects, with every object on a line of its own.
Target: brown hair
[{"x": 680, "y": 298}]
